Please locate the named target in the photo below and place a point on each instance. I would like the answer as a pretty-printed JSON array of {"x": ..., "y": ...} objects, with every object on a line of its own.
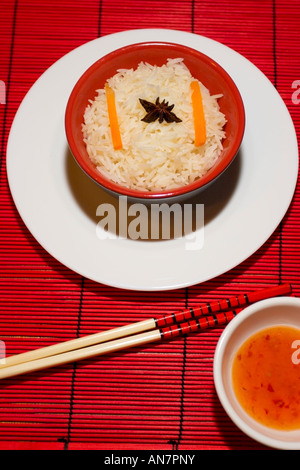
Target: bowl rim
[
  {"x": 154, "y": 195},
  {"x": 217, "y": 371}
]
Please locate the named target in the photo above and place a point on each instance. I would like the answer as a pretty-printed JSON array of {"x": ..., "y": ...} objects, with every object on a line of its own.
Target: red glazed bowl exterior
[{"x": 203, "y": 68}]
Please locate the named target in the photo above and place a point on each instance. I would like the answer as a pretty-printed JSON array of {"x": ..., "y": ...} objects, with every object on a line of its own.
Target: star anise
[{"x": 161, "y": 111}]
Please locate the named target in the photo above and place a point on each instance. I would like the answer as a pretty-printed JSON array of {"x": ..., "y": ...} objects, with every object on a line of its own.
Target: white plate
[{"x": 57, "y": 202}]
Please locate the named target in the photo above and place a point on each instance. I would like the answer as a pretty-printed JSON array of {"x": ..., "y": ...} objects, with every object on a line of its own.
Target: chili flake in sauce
[{"x": 266, "y": 380}]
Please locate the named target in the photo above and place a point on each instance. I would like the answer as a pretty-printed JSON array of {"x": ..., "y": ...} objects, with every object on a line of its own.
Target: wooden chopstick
[
  {"x": 79, "y": 343},
  {"x": 165, "y": 320},
  {"x": 121, "y": 343},
  {"x": 154, "y": 329}
]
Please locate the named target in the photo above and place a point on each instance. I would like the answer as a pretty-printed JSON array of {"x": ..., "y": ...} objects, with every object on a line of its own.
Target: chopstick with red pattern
[
  {"x": 168, "y": 326},
  {"x": 119, "y": 344},
  {"x": 205, "y": 316},
  {"x": 197, "y": 324},
  {"x": 233, "y": 302}
]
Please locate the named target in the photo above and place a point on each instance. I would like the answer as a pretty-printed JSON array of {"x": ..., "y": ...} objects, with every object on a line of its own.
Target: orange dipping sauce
[{"x": 266, "y": 377}]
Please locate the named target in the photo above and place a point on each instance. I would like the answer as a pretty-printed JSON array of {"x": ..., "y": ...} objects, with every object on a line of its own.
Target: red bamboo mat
[{"x": 160, "y": 396}]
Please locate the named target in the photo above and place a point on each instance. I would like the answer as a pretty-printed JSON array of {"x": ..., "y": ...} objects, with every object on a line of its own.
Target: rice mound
[{"x": 155, "y": 156}]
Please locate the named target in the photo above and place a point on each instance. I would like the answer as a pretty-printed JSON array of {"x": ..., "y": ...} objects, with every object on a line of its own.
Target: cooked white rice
[{"x": 155, "y": 156}]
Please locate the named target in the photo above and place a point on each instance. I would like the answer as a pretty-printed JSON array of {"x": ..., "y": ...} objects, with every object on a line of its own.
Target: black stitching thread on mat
[
  {"x": 192, "y": 15},
  {"x": 275, "y": 85},
  {"x": 274, "y": 43},
  {"x": 13, "y": 32},
  {"x": 67, "y": 439},
  {"x": 99, "y": 18},
  {"x": 175, "y": 443},
  {"x": 182, "y": 391}
]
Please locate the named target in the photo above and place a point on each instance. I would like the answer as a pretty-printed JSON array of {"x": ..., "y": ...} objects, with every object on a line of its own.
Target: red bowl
[{"x": 203, "y": 68}]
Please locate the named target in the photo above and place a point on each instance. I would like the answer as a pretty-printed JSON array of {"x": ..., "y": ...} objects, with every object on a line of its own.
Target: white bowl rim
[{"x": 217, "y": 371}]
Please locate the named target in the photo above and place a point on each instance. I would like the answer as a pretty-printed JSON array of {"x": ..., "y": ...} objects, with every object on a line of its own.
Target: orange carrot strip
[
  {"x": 199, "y": 119},
  {"x": 113, "y": 118}
]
